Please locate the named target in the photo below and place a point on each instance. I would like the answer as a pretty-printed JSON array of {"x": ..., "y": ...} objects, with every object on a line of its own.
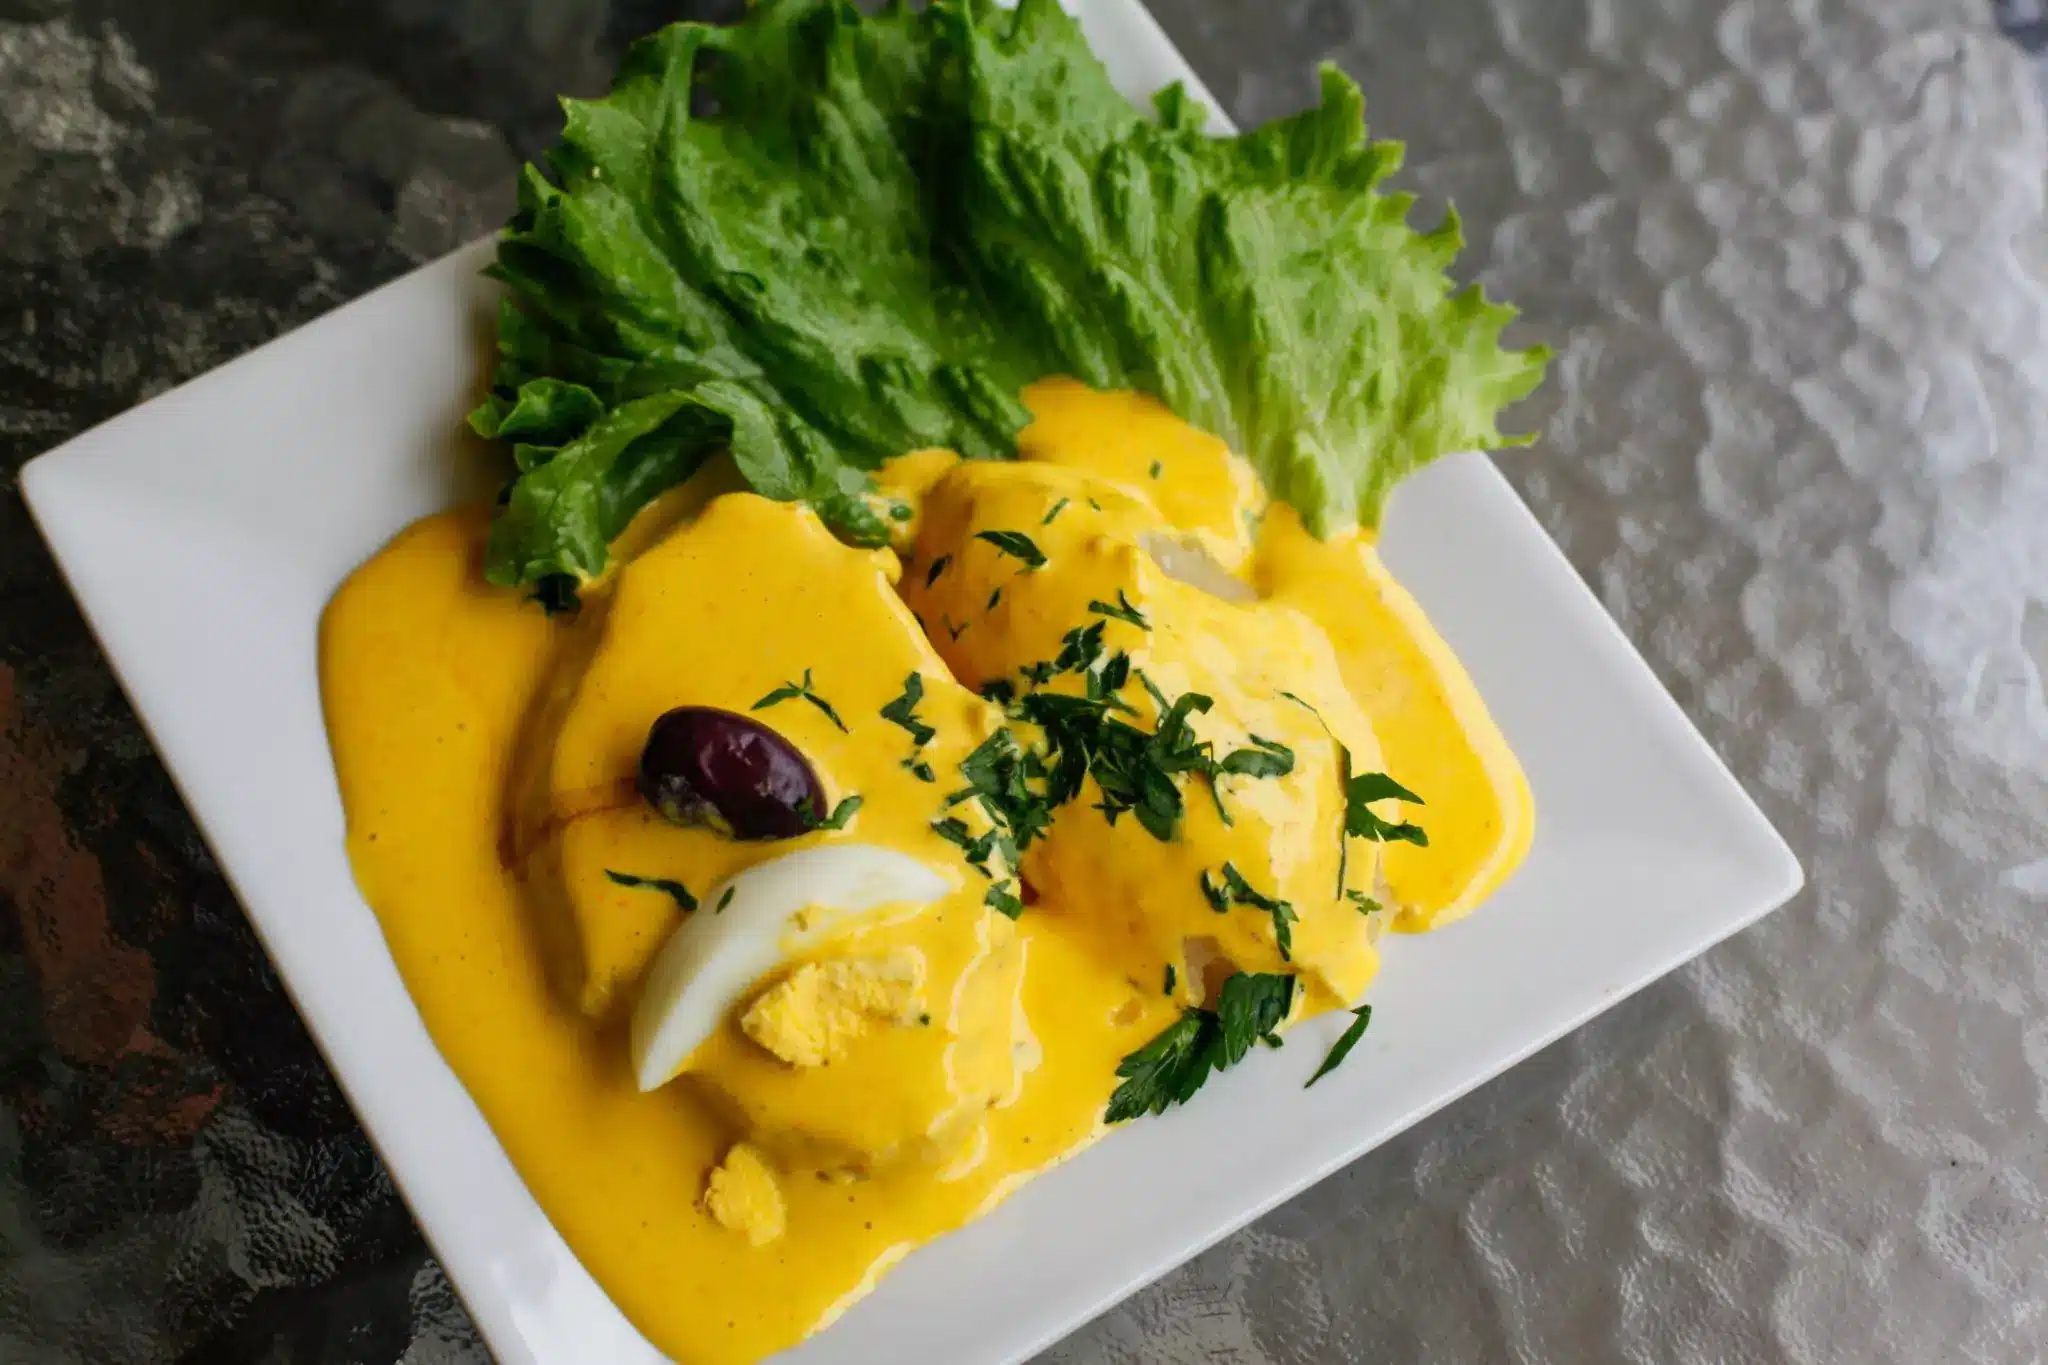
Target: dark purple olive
[{"x": 704, "y": 766}]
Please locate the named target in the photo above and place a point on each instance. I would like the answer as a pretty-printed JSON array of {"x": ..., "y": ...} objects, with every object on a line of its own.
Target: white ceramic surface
[{"x": 204, "y": 532}]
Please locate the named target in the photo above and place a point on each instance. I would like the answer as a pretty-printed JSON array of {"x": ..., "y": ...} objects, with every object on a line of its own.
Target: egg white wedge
[{"x": 716, "y": 953}]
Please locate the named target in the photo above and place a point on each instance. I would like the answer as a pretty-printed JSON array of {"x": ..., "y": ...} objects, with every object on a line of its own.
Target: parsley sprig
[
  {"x": 789, "y": 691},
  {"x": 1341, "y": 1049},
  {"x": 1231, "y": 888},
  {"x": 1172, "y": 1067},
  {"x": 1359, "y": 821}
]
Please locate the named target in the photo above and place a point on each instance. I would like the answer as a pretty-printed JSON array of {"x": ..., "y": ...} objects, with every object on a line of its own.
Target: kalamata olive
[{"x": 704, "y": 766}]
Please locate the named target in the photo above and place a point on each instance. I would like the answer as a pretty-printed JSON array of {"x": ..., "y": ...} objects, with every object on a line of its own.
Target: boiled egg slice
[{"x": 746, "y": 926}]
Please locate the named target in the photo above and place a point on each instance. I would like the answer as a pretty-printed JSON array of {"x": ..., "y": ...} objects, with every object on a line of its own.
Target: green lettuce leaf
[
  {"x": 821, "y": 240},
  {"x": 1261, "y": 286}
]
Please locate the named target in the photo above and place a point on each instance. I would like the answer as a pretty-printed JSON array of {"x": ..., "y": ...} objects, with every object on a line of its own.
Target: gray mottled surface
[{"x": 1790, "y": 253}]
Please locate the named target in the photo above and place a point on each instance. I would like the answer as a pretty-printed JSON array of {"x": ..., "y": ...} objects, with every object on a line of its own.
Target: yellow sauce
[{"x": 486, "y": 755}]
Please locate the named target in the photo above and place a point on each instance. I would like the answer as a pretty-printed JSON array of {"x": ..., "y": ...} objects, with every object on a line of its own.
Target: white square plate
[{"x": 204, "y": 533}]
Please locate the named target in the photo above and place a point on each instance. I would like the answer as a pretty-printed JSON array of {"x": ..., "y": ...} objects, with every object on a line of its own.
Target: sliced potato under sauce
[{"x": 1437, "y": 736}]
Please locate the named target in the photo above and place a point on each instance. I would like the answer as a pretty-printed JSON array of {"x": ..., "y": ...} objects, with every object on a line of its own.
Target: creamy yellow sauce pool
[{"x": 486, "y": 754}]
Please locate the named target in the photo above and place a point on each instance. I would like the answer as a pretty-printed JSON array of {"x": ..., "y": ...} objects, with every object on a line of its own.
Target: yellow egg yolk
[
  {"x": 893, "y": 1081},
  {"x": 742, "y": 1194},
  {"x": 811, "y": 1016}
]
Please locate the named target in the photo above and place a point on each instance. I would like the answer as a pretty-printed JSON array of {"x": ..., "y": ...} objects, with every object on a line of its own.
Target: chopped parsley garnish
[
  {"x": 1241, "y": 892},
  {"x": 978, "y": 848},
  {"x": 938, "y": 567},
  {"x": 1135, "y": 770},
  {"x": 1003, "y": 900},
  {"x": 953, "y": 631},
  {"x": 900, "y": 511},
  {"x": 954, "y": 830},
  {"x": 1122, "y": 611},
  {"x": 1016, "y": 545},
  {"x": 994, "y": 598},
  {"x": 1105, "y": 682},
  {"x": 920, "y": 769},
  {"x": 1086, "y": 736},
  {"x": 1057, "y": 508},
  {"x": 1172, "y": 1067},
  {"x": 674, "y": 890},
  {"x": 999, "y": 775},
  {"x": 1079, "y": 649},
  {"x": 1215, "y": 893},
  {"x": 1366, "y": 904},
  {"x": 1359, "y": 821},
  {"x": 724, "y": 901},
  {"x": 1098, "y": 734},
  {"x": 1168, "y": 1070},
  {"x": 1157, "y": 469},
  {"x": 1168, "y": 990},
  {"x": 1266, "y": 758},
  {"x": 791, "y": 690},
  {"x": 1251, "y": 1006},
  {"x": 903, "y": 711},
  {"x": 1342, "y": 1047}
]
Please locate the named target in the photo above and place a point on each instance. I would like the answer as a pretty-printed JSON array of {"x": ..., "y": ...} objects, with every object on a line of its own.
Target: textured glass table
[{"x": 1791, "y": 255}]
